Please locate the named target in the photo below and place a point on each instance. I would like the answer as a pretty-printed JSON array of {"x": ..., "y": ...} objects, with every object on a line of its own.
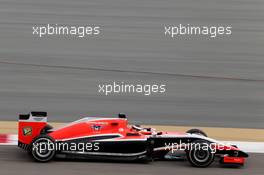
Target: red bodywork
[
  {"x": 87, "y": 128},
  {"x": 32, "y": 127},
  {"x": 35, "y": 128},
  {"x": 233, "y": 160}
]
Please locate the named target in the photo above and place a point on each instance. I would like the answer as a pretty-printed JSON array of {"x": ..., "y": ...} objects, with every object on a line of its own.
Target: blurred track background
[{"x": 210, "y": 82}]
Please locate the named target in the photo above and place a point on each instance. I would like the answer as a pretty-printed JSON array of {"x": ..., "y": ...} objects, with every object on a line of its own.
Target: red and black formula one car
[{"x": 115, "y": 139}]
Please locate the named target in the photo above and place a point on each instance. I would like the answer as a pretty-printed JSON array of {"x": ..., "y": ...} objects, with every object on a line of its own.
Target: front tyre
[
  {"x": 200, "y": 154},
  {"x": 43, "y": 148}
]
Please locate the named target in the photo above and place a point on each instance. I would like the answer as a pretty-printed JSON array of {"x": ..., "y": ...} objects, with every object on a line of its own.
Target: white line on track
[{"x": 250, "y": 147}]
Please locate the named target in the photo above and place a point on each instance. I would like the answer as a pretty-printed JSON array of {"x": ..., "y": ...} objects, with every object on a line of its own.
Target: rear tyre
[
  {"x": 200, "y": 154},
  {"x": 43, "y": 148},
  {"x": 197, "y": 131}
]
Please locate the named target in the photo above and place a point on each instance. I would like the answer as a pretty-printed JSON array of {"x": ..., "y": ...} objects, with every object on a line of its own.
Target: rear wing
[{"x": 30, "y": 126}]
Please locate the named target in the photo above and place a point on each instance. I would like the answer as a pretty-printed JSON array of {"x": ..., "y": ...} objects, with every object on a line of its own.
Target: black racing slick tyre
[
  {"x": 43, "y": 148},
  {"x": 199, "y": 154},
  {"x": 197, "y": 131}
]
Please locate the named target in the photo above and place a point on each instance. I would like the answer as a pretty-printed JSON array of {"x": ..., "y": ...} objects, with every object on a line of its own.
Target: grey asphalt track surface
[
  {"x": 14, "y": 160},
  {"x": 210, "y": 82}
]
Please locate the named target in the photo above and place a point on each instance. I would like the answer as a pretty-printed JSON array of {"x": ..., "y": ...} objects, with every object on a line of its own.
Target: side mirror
[{"x": 120, "y": 115}]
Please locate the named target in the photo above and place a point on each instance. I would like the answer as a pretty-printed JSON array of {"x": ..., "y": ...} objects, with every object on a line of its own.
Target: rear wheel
[
  {"x": 200, "y": 154},
  {"x": 197, "y": 131},
  {"x": 43, "y": 148}
]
